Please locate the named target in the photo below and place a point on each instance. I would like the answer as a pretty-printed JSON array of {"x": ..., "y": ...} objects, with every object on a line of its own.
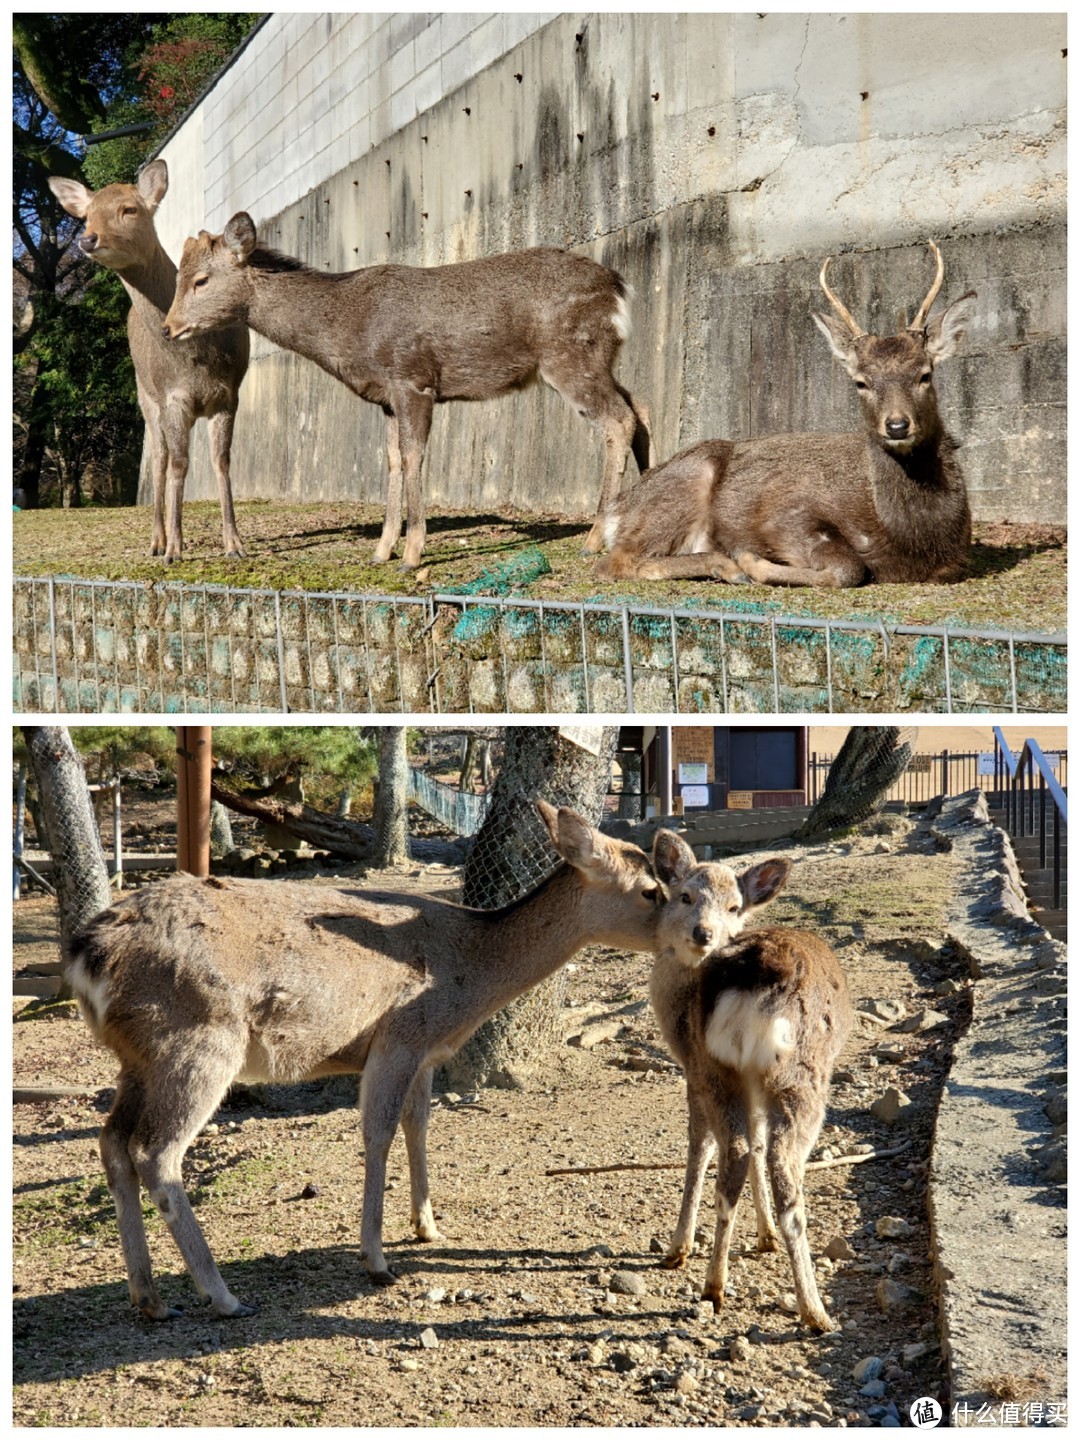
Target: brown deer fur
[
  {"x": 889, "y": 503},
  {"x": 197, "y": 983},
  {"x": 408, "y": 339},
  {"x": 756, "y": 1022},
  {"x": 175, "y": 387}
]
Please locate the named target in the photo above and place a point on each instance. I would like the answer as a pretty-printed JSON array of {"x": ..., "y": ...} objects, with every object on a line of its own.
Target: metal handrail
[{"x": 1015, "y": 791}]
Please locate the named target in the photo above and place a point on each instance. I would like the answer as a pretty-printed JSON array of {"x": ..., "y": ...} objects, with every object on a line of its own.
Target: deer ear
[
  {"x": 839, "y": 338},
  {"x": 760, "y": 883},
  {"x": 152, "y": 182},
  {"x": 943, "y": 335},
  {"x": 240, "y": 236},
  {"x": 672, "y": 857},
  {"x": 72, "y": 194},
  {"x": 577, "y": 842}
]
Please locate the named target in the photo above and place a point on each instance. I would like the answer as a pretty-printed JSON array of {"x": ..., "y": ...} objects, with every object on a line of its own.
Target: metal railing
[
  {"x": 96, "y": 646},
  {"x": 458, "y": 810},
  {"x": 1024, "y": 787},
  {"x": 942, "y": 772}
]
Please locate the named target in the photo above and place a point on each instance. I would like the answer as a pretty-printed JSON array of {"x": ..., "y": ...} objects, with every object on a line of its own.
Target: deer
[
  {"x": 174, "y": 387},
  {"x": 888, "y": 504},
  {"x": 756, "y": 1022},
  {"x": 198, "y": 983},
  {"x": 408, "y": 338}
]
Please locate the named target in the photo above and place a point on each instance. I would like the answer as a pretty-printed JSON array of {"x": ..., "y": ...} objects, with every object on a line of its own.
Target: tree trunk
[
  {"x": 324, "y": 832},
  {"x": 871, "y": 760},
  {"x": 391, "y": 799},
  {"x": 630, "y": 794},
  {"x": 280, "y": 837},
  {"x": 511, "y": 855},
  {"x": 221, "y": 836},
  {"x": 81, "y": 874}
]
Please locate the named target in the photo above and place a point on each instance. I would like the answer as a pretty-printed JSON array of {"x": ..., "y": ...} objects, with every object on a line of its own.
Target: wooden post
[
  {"x": 20, "y": 826},
  {"x": 663, "y": 735},
  {"x": 193, "y": 799},
  {"x": 118, "y": 840}
]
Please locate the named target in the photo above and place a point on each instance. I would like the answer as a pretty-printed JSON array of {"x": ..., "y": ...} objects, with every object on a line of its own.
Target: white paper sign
[
  {"x": 695, "y": 796},
  {"x": 695, "y": 773}
]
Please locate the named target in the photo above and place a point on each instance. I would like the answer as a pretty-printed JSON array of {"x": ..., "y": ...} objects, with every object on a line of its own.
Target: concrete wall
[{"x": 714, "y": 160}]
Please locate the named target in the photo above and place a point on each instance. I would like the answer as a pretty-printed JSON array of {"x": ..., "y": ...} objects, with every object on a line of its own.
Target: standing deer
[
  {"x": 407, "y": 339},
  {"x": 756, "y": 1024},
  {"x": 175, "y": 387},
  {"x": 889, "y": 503},
  {"x": 198, "y": 983}
]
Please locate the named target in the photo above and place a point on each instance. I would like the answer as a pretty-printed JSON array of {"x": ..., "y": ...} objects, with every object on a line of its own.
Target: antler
[
  {"x": 919, "y": 323},
  {"x": 838, "y": 306}
]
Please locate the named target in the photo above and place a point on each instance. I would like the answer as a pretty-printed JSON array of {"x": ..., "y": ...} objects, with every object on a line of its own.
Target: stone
[
  {"x": 873, "y": 1389},
  {"x": 947, "y": 987},
  {"x": 428, "y": 1339},
  {"x": 686, "y": 1384},
  {"x": 839, "y": 1249},
  {"x": 1056, "y": 1108},
  {"x": 890, "y": 1106},
  {"x": 739, "y": 1349},
  {"x": 622, "y": 1361},
  {"x": 892, "y": 1295},
  {"x": 893, "y": 1227},
  {"x": 911, "y": 1354},
  {"x": 888, "y": 1010},
  {"x": 436, "y": 1296},
  {"x": 921, "y": 1021},
  {"x": 868, "y": 1368},
  {"x": 628, "y": 1282}
]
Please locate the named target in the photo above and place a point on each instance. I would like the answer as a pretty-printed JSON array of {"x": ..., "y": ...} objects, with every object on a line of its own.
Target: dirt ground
[
  {"x": 516, "y": 1318},
  {"x": 1016, "y": 576}
]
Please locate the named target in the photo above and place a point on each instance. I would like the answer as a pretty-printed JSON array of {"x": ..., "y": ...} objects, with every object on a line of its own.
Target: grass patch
[{"x": 1016, "y": 579}]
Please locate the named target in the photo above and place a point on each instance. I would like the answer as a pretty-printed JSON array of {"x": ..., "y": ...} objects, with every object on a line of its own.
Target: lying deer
[
  {"x": 408, "y": 339},
  {"x": 198, "y": 983},
  {"x": 756, "y": 1024},
  {"x": 888, "y": 503},
  {"x": 175, "y": 387}
]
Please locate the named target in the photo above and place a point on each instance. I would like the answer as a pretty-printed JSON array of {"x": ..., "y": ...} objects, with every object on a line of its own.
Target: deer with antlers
[{"x": 887, "y": 503}]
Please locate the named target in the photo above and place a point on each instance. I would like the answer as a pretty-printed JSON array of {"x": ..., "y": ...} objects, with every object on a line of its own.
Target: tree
[
  {"x": 82, "y": 877},
  {"x": 391, "y": 799},
  {"x": 511, "y": 856},
  {"x": 871, "y": 760}
]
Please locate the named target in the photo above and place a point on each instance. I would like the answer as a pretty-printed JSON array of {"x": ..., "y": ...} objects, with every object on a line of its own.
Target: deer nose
[
  {"x": 88, "y": 242},
  {"x": 702, "y": 935},
  {"x": 897, "y": 427},
  {"x": 165, "y": 330}
]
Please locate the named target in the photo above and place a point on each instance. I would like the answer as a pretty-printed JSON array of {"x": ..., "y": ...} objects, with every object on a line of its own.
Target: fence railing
[
  {"x": 944, "y": 772},
  {"x": 1034, "y": 802},
  {"x": 456, "y": 809},
  {"x": 97, "y": 646}
]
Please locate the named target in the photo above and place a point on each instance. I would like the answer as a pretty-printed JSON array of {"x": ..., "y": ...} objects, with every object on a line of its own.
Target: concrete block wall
[{"x": 714, "y": 160}]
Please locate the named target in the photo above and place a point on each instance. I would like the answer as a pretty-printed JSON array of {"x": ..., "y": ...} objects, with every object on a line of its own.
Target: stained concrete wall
[{"x": 714, "y": 160}]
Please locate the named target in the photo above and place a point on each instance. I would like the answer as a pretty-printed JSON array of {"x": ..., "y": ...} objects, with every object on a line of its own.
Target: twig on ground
[{"x": 679, "y": 1164}]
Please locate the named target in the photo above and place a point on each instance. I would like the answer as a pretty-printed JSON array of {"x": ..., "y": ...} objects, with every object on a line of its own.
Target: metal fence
[
  {"x": 1034, "y": 803},
  {"x": 456, "y": 809},
  {"x": 95, "y": 646},
  {"x": 944, "y": 772}
]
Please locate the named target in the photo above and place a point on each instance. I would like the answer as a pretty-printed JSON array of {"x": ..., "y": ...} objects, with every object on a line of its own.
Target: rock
[
  {"x": 1056, "y": 1108},
  {"x": 899, "y": 1261},
  {"x": 890, "y": 1106},
  {"x": 436, "y": 1296},
  {"x": 622, "y": 1361},
  {"x": 597, "y": 1032},
  {"x": 310, "y": 1191},
  {"x": 789, "y": 1304},
  {"x": 947, "y": 987},
  {"x": 890, "y": 1052},
  {"x": 686, "y": 1384},
  {"x": 889, "y": 1011},
  {"x": 892, "y": 1295},
  {"x": 450, "y": 1097},
  {"x": 628, "y": 1282},
  {"x": 868, "y": 1368},
  {"x": 923, "y": 1020},
  {"x": 873, "y": 1389},
  {"x": 839, "y": 1249},
  {"x": 893, "y": 1227},
  {"x": 409, "y": 1363},
  {"x": 602, "y": 1252},
  {"x": 428, "y": 1339},
  {"x": 657, "y": 1246},
  {"x": 883, "y": 848},
  {"x": 739, "y": 1349},
  {"x": 911, "y": 1354}
]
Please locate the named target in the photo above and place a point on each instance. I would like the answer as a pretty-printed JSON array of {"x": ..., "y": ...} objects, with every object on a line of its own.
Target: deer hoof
[
  {"x": 675, "y": 1261},
  {"x": 158, "y": 1310},
  {"x": 767, "y": 1243},
  {"x": 238, "y": 1311},
  {"x": 382, "y": 1277},
  {"x": 716, "y": 1296},
  {"x": 818, "y": 1320}
]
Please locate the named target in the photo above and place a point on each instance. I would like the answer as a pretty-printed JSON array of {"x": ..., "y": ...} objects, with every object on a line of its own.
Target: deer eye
[
  {"x": 734, "y": 908},
  {"x": 199, "y": 282},
  {"x": 128, "y": 210},
  {"x": 650, "y": 895},
  {"x": 926, "y": 377},
  {"x": 686, "y": 898},
  {"x": 861, "y": 385}
]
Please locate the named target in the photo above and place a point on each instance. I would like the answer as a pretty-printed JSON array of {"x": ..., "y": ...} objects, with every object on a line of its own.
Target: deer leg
[
  {"x": 595, "y": 395},
  {"x": 414, "y": 1122},
  {"x": 392, "y": 516},
  {"x": 177, "y": 437},
  {"x": 732, "y": 1167},
  {"x": 183, "y": 1098},
  {"x": 414, "y": 417},
  {"x": 641, "y": 445},
  {"x": 221, "y": 433},
  {"x": 387, "y": 1079},
  {"x": 793, "y": 1124},
  {"x": 123, "y": 1182},
  {"x": 759, "y": 1182},
  {"x": 622, "y": 565},
  {"x": 699, "y": 1151},
  {"x": 159, "y": 457},
  {"x": 844, "y": 571}
]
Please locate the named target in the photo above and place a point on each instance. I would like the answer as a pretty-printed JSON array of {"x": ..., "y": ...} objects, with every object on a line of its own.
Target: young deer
[
  {"x": 408, "y": 339},
  {"x": 175, "y": 387},
  {"x": 817, "y": 509},
  {"x": 756, "y": 1024},
  {"x": 197, "y": 983}
]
